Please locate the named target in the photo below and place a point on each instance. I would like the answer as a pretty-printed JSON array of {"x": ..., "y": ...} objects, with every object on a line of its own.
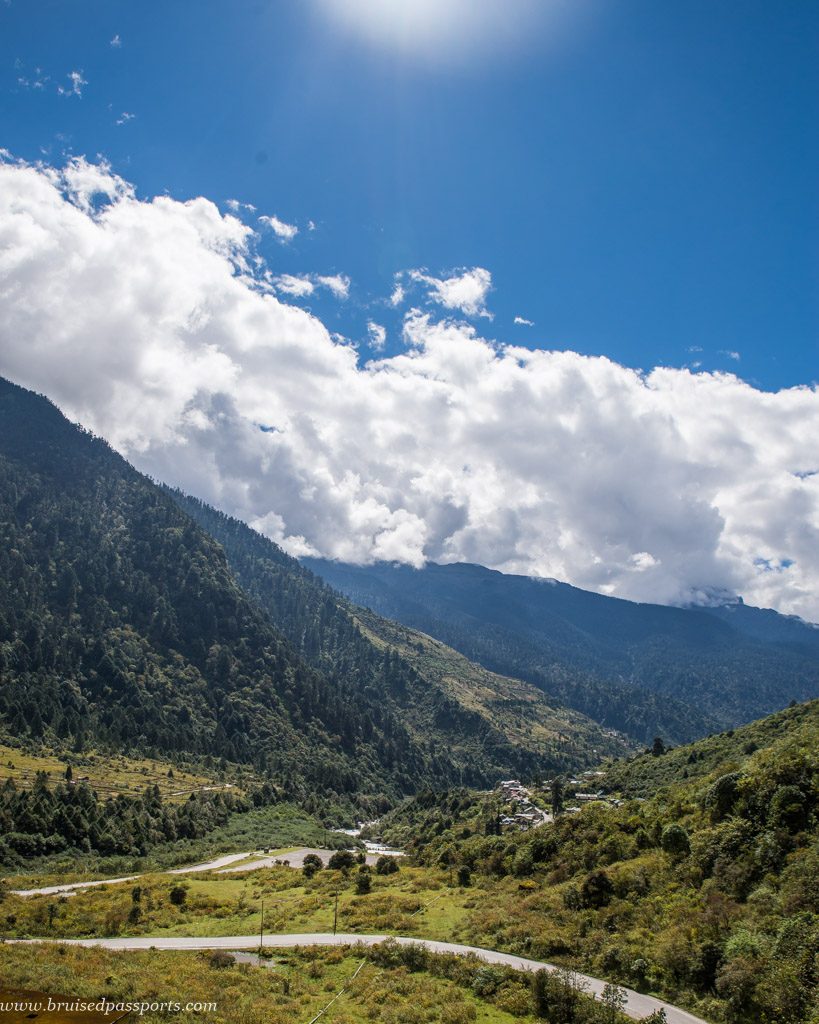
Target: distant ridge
[{"x": 696, "y": 669}]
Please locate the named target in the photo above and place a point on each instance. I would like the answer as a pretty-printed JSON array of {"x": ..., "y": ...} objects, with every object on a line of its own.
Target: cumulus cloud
[
  {"x": 377, "y": 335},
  {"x": 523, "y": 322},
  {"x": 464, "y": 291},
  {"x": 283, "y": 231},
  {"x": 292, "y": 284},
  {"x": 667, "y": 486},
  {"x": 338, "y": 284}
]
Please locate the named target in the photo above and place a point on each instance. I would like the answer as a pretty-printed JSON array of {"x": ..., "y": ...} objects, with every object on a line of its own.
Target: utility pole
[
  {"x": 335, "y": 913},
  {"x": 261, "y": 931}
]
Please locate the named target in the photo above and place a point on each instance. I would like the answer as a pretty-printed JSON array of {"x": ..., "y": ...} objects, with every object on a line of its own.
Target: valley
[{"x": 192, "y": 720}]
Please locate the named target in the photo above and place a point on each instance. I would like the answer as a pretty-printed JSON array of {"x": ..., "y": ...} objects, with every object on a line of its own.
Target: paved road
[
  {"x": 71, "y": 887},
  {"x": 295, "y": 859},
  {"x": 69, "y": 890},
  {"x": 637, "y": 1006}
]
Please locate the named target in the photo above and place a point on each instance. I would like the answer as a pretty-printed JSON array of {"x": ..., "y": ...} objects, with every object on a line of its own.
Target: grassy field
[
  {"x": 415, "y": 901},
  {"x": 109, "y": 775},
  {"x": 294, "y": 987}
]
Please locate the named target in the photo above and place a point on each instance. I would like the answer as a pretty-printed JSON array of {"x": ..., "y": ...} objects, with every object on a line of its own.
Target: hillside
[
  {"x": 121, "y": 626},
  {"x": 703, "y": 889},
  {"x": 645, "y": 669},
  {"x": 519, "y": 710},
  {"x": 490, "y": 726},
  {"x": 137, "y": 620}
]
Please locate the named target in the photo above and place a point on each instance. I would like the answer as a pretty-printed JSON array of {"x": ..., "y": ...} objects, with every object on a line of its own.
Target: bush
[
  {"x": 342, "y": 860},
  {"x": 220, "y": 959},
  {"x": 178, "y": 895},
  {"x": 674, "y": 840},
  {"x": 596, "y": 891},
  {"x": 386, "y": 865}
]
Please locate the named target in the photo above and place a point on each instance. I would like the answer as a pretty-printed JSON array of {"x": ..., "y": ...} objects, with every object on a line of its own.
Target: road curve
[
  {"x": 71, "y": 887},
  {"x": 221, "y": 865},
  {"x": 637, "y": 1005}
]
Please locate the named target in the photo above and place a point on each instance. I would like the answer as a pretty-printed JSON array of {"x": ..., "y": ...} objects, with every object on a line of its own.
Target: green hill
[
  {"x": 698, "y": 879},
  {"x": 121, "y": 624}
]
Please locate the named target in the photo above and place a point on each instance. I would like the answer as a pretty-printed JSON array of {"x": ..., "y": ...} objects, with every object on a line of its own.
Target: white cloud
[
  {"x": 731, "y": 354},
  {"x": 398, "y": 294},
  {"x": 286, "y": 232},
  {"x": 377, "y": 334},
  {"x": 523, "y": 322},
  {"x": 664, "y": 486},
  {"x": 75, "y": 86},
  {"x": 338, "y": 284},
  {"x": 116, "y": 42},
  {"x": 464, "y": 291},
  {"x": 291, "y": 284},
  {"x": 125, "y": 117}
]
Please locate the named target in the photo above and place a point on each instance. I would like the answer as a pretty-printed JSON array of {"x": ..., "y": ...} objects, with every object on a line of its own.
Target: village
[{"x": 528, "y": 804}]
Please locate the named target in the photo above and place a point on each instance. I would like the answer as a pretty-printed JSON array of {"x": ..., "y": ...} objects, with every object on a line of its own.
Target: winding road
[
  {"x": 221, "y": 865},
  {"x": 71, "y": 887},
  {"x": 637, "y": 1005}
]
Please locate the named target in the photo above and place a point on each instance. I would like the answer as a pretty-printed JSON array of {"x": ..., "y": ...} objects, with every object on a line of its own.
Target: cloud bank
[{"x": 150, "y": 322}]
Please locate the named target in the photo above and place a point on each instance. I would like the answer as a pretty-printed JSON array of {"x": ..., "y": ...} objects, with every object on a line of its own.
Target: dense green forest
[
  {"x": 702, "y": 885},
  {"x": 343, "y": 643},
  {"x": 121, "y": 624},
  {"x": 640, "y": 668},
  {"x": 45, "y": 819}
]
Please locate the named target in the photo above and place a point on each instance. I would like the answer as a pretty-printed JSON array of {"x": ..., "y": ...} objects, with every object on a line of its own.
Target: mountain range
[
  {"x": 136, "y": 618},
  {"x": 641, "y": 668},
  {"x": 125, "y": 623}
]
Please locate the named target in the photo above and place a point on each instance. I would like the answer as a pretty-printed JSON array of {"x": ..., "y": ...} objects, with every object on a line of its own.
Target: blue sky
[
  {"x": 640, "y": 181},
  {"x": 204, "y": 207}
]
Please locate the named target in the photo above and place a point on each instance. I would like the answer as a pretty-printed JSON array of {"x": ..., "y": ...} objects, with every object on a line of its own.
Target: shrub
[
  {"x": 596, "y": 891},
  {"x": 342, "y": 860},
  {"x": 221, "y": 959},
  {"x": 674, "y": 840},
  {"x": 178, "y": 895},
  {"x": 386, "y": 865}
]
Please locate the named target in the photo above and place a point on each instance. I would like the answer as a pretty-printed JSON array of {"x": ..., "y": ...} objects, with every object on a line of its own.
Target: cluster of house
[
  {"x": 526, "y": 814},
  {"x": 579, "y": 791},
  {"x": 582, "y": 791}
]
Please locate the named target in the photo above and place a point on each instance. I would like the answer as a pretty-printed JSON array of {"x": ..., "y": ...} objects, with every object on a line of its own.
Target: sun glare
[{"x": 451, "y": 29}]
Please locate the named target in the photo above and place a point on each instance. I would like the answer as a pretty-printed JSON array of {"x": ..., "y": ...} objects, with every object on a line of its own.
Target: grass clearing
[{"x": 294, "y": 988}]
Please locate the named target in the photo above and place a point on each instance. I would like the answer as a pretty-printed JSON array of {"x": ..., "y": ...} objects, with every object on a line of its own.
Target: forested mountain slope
[
  {"x": 490, "y": 725},
  {"x": 122, "y": 624},
  {"x": 680, "y": 672}
]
